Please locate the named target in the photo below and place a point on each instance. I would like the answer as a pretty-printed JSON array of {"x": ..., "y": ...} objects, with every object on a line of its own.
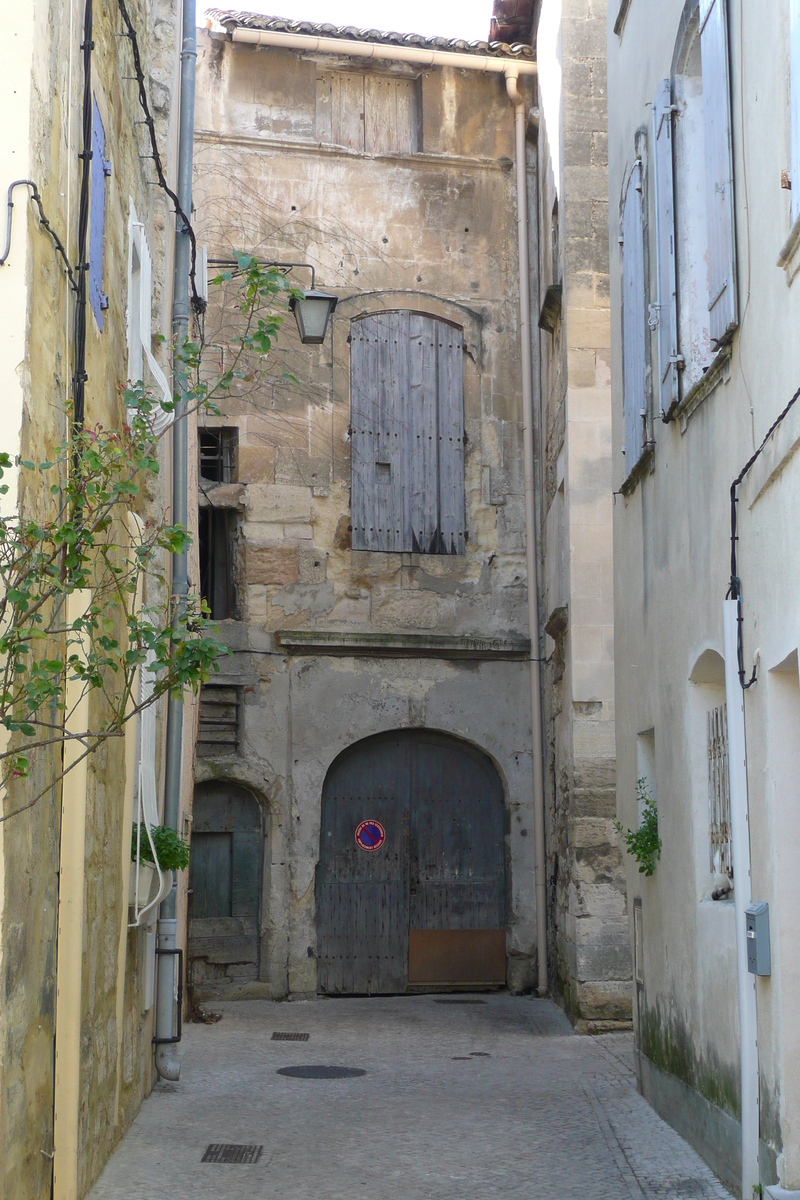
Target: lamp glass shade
[{"x": 311, "y": 314}]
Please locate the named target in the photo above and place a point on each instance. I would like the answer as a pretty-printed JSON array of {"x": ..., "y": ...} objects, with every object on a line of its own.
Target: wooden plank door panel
[
  {"x": 225, "y": 881},
  {"x": 362, "y": 896}
]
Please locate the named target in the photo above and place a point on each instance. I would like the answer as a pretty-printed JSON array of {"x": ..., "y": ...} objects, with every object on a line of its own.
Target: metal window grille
[
  {"x": 218, "y": 454},
  {"x": 719, "y": 793}
]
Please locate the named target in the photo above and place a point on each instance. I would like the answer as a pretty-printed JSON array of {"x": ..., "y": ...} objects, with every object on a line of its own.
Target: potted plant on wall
[{"x": 171, "y": 854}]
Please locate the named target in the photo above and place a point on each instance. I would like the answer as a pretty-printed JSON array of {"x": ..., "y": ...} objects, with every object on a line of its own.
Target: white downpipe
[
  {"x": 376, "y": 50},
  {"x": 520, "y": 126},
  {"x": 511, "y": 69},
  {"x": 742, "y": 895}
]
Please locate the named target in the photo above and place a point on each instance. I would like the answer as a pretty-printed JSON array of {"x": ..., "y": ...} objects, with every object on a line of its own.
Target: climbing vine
[{"x": 72, "y": 623}]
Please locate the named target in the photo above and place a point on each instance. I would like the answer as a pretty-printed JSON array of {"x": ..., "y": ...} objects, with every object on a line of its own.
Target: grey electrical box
[{"x": 756, "y": 917}]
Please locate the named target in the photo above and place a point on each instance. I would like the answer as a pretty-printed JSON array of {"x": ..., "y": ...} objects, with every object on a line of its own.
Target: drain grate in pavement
[
  {"x": 290, "y": 1037},
  {"x": 226, "y": 1152},
  {"x": 459, "y": 1000},
  {"x": 318, "y": 1072}
]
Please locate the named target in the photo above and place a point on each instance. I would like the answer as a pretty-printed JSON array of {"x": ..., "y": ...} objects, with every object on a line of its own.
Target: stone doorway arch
[{"x": 425, "y": 909}]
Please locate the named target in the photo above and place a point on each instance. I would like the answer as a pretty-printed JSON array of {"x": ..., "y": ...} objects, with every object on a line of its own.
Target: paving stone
[{"x": 459, "y": 1102}]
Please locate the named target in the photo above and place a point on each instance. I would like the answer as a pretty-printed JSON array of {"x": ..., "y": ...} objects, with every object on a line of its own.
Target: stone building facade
[
  {"x": 75, "y": 1012},
  {"x": 333, "y": 642},
  {"x": 587, "y": 912},
  {"x": 704, "y": 114}
]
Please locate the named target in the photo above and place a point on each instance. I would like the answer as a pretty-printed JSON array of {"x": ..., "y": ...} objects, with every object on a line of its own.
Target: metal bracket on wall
[{"x": 158, "y": 1041}]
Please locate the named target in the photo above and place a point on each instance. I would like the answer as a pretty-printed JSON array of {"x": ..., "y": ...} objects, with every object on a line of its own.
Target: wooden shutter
[
  {"x": 794, "y": 25},
  {"x": 722, "y": 300},
  {"x": 450, "y": 392},
  {"x": 378, "y": 390},
  {"x": 100, "y": 168},
  {"x": 407, "y": 434},
  {"x": 633, "y": 319},
  {"x": 667, "y": 310}
]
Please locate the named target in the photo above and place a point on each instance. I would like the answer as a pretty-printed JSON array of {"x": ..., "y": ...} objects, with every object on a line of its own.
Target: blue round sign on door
[{"x": 370, "y": 835}]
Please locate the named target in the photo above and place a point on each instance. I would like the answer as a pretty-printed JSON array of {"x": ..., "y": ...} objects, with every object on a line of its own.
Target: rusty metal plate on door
[{"x": 443, "y": 956}]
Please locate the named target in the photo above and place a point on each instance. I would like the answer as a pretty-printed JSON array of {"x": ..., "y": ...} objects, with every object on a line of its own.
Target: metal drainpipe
[
  {"x": 742, "y": 896},
  {"x": 531, "y": 540},
  {"x": 167, "y": 1064}
]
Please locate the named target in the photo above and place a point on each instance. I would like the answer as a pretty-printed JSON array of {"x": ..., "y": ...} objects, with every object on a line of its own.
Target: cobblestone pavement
[{"x": 463, "y": 1098}]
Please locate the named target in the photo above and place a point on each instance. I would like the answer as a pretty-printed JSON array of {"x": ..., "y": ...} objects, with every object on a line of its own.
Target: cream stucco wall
[
  {"x": 102, "y": 1038},
  {"x": 672, "y": 566}
]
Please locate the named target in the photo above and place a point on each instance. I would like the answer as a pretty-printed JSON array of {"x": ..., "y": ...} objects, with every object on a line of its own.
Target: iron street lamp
[
  {"x": 312, "y": 311},
  {"x": 312, "y": 314}
]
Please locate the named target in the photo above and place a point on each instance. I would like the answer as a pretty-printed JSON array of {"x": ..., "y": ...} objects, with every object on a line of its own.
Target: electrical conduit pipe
[
  {"x": 167, "y": 1064},
  {"x": 512, "y": 69}
]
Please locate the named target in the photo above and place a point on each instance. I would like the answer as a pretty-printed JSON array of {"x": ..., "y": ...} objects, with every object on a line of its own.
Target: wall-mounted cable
[
  {"x": 735, "y": 586},
  {"x": 198, "y": 303},
  {"x": 43, "y": 222},
  {"x": 79, "y": 375}
]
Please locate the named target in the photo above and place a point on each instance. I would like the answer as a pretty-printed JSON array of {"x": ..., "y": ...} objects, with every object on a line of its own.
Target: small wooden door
[
  {"x": 427, "y": 908},
  {"x": 225, "y": 886}
]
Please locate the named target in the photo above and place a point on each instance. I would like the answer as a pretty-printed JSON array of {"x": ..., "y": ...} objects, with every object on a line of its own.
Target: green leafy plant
[
  {"x": 644, "y": 843},
  {"x": 172, "y": 851},
  {"x": 73, "y": 627}
]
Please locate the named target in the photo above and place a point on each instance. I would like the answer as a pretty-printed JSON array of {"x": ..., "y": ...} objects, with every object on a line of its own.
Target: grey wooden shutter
[
  {"x": 378, "y": 387},
  {"x": 667, "y": 309},
  {"x": 633, "y": 319},
  {"x": 722, "y": 300},
  {"x": 450, "y": 394},
  {"x": 794, "y": 26},
  {"x": 407, "y": 434},
  {"x": 420, "y": 435}
]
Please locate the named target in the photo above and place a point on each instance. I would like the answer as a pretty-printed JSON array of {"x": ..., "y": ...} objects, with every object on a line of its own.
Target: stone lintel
[{"x": 401, "y": 645}]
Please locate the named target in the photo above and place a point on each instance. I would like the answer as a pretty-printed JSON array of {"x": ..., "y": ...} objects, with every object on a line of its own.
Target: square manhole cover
[
  {"x": 226, "y": 1152},
  {"x": 290, "y": 1037}
]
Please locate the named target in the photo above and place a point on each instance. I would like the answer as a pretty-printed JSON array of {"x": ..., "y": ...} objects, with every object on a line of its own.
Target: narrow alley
[{"x": 449, "y": 1096}]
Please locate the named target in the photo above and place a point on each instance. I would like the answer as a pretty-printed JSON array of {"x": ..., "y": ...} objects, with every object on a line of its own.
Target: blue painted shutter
[
  {"x": 97, "y": 213},
  {"x": 794, "y": 24},
  {"x": 667, "y": 309},
  {"x": 722, "y": 300},
  {"x": 634, "y": 320}
]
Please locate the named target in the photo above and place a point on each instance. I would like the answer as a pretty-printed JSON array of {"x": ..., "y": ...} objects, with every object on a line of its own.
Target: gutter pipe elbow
[
  {"x": 167, "y": 1064},
  {"x": 511, "y": 73}
]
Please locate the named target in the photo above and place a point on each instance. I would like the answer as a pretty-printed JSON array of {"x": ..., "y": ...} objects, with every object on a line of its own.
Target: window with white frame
[
  {"x": 696, "y": 308},
  {"x": 634, "y": 317},
  {"x": 143, "y": 366}
]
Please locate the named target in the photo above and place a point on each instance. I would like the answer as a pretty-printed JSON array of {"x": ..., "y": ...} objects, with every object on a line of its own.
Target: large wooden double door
[{"x": 426, "y": 908}]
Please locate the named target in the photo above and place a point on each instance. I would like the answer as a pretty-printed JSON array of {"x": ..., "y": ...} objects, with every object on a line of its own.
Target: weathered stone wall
[
  {"x": 115, "y": 1060},
  {"x": 434, "y": 231},
  {"x": 588, "y": 939}
]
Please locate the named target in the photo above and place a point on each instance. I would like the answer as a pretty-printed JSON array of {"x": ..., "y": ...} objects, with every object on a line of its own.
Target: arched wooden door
[
  {"x": 225, "y": 867},
  {"x": 426, "y": 908}
]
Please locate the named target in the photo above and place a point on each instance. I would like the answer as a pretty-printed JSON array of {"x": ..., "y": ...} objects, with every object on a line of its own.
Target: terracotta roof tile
[{"x": 231, "y": 20}]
